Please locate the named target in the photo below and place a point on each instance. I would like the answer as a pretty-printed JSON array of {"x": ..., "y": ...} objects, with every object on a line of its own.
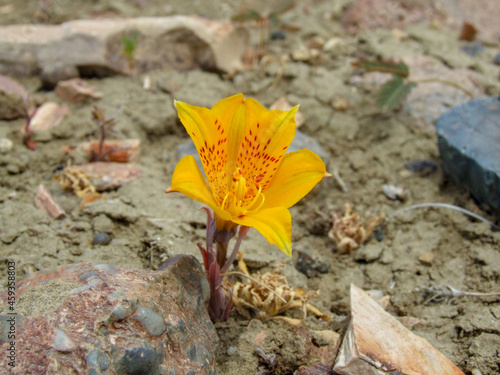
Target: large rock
[
  {"x": 377, "y": 344},
  {"x": 469, "y": 144},
  {"x": 100, "y": 319},
  {"x": 179, "y": 42}
]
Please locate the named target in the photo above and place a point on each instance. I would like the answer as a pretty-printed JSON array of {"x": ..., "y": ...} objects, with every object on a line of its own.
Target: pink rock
[
  {"x": 82, "y": 317},
  {"x": 45, "y": 201},
  {"x": 48, "y": 116},
  {"x": 76, "y": 90},
  {"x": 110, "y": 175}
]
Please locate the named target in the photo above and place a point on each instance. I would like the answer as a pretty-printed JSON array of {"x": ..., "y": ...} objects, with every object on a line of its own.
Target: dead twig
[{"x": 449, "y": 294}]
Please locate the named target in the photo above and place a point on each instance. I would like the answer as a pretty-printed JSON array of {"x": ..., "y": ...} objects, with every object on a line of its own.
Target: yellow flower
[{"x": 251, "y": 181}]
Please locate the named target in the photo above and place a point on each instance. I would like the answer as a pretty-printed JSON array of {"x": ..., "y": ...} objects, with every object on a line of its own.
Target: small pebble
[
  {"x": 278, "y": 35},
  {"x": 394, "y": 192},
  {"x": 426, "y": 258},
  {"x": 5, "y": 145},
  {"x": 232, "y": 350},
  {"x": 424, "y": 167},
  {"x": 378, "y": 234},
  {"x": 473, "y": 48},
  {"x": 496, "y": 60},
  {"x": 339, "y": 103},
  {"x": 13, "y": 169},
  {"x": 62, "y": 342},
  {"x": 101, "y": 239},
  {"x": 311, "y": 265}
]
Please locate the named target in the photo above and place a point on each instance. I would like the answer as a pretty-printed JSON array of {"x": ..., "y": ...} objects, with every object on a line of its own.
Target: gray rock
[
  {"x": 496, "y": 60},
  {"x": 62, "y": 342},
  {"x": 101, "y": 239},
  {"x": 97, "y": 358},
  {"x": 311, "y": 264},
  {"x": 469, "y": 144},
  {"x": 145, "y": 359},
  {"x": 151, "y": 321}
]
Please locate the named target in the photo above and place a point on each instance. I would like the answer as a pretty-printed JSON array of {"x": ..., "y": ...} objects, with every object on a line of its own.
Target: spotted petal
[{"x": 188, "y": 180}]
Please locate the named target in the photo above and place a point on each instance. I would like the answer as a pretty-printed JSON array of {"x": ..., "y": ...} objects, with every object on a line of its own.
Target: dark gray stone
[
  {"x": 469, "y": 144},
  {"x": 151, "y": 320},
  {"x": 97, "y": 358},
  {"x": 473, "y": 48},
  {"x": 142, "y": 360},
  {"x": 101, "y": 239},
  {"x": 311, "y": 264},
  {"x": 496, "y": 60}
]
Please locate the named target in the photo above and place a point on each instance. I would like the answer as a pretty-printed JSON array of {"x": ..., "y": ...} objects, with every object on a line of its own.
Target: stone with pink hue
[{"x": 101, "y": 319}]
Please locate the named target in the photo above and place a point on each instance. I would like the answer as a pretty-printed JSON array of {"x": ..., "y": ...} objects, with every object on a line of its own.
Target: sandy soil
[{"x": 367, "y": 147}]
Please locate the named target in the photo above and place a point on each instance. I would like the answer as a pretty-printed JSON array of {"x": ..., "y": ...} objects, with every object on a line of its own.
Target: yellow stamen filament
[
  {"x": 223, "y": 205},
  {"x": 257, "y": 196},
  {"x": 234, "y": 200}
]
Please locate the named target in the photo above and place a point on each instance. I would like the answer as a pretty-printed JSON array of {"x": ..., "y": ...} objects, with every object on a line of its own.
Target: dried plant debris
[
  {"x": 268, "y": 296},
  {"x": 269, "y": 362},
  {"x": 449, "y": 294},
  {"x": 349, "y": 231},
  {"x": 73, "y": 178}
]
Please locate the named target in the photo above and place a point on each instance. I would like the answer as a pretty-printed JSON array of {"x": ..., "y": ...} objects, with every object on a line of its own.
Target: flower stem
[{"x": 241, "y": 235}]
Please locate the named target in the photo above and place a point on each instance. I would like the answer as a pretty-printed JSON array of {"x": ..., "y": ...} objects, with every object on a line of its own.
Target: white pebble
[{"x": 5, "y": 145}]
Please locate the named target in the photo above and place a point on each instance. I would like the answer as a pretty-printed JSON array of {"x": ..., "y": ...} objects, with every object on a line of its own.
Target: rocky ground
[{"x": 411, "y": 258}]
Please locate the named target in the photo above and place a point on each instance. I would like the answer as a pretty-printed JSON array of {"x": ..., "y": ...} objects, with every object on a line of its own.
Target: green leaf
[
  {"x": 399, "y": 69},
  {"x": 249, "y": 15},
  {"x": 393, "y": 92}
]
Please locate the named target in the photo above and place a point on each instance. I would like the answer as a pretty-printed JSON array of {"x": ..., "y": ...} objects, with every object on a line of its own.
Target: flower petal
[
  {"x": 265, "y": 143},
  {"x": 297, "y": 174},
  {"x": 273, "y": 223},
  {"x": 237, "y": 114},
  {"x": 208, "y": 136},
  {"x": 188, "y": 180}
]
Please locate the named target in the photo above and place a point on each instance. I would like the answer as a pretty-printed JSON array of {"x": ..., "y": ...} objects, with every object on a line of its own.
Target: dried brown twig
[{"x": 104, "y": 127}]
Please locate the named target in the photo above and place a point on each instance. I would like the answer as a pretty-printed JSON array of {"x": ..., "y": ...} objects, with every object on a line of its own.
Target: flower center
[{"x": 243, "y": 197}]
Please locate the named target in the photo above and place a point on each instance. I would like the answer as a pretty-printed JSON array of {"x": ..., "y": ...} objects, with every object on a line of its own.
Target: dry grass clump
[{"x": 349, "y": 231}]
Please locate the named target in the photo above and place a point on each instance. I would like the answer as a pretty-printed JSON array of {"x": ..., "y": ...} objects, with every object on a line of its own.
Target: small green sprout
[
  {"x": 391, "y": 95},
  {"x": 129, "y": 47}
]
